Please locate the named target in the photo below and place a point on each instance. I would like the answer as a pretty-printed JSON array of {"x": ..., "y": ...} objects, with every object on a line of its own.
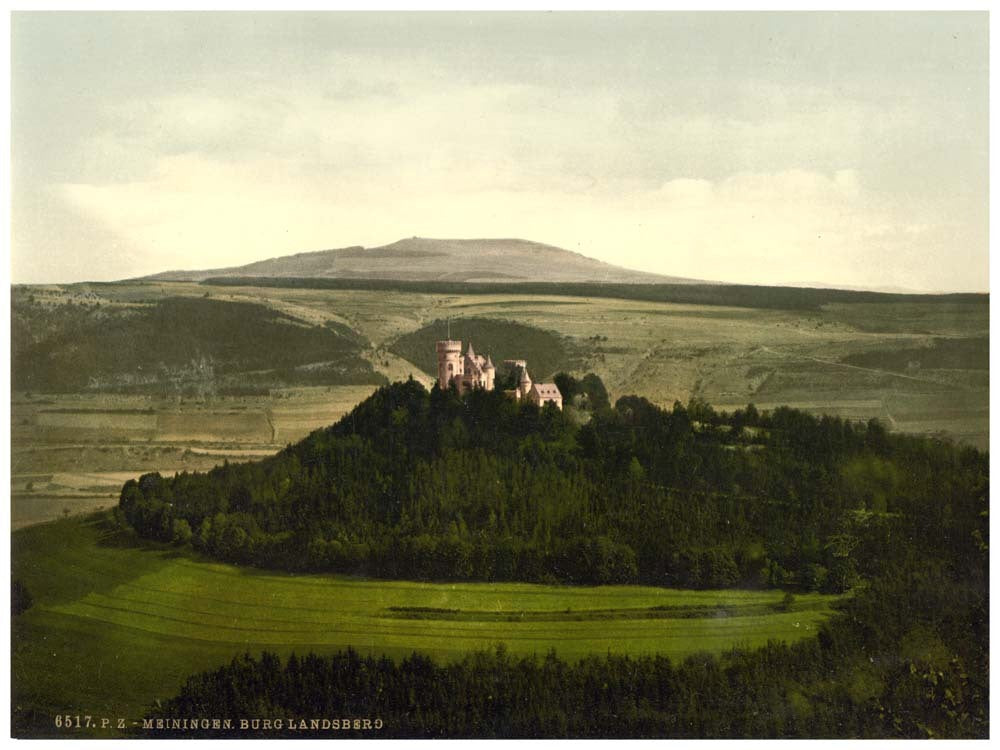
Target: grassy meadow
[{"x": 116, "y": 625}]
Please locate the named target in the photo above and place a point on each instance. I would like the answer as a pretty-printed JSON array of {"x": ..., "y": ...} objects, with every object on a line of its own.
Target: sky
[{"x": 843, "y": 149}]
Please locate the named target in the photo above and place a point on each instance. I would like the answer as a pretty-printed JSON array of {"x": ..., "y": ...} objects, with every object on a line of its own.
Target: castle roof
[
  {"x": 546, "y": 390},
  {"x": 471, "y": 354},
  {"x": 489, "y": 363},
  {"x": 525, "y": 377}
]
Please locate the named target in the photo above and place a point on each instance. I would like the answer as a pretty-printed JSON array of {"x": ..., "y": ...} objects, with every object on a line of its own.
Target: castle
[{"x": 473, "y": 371}]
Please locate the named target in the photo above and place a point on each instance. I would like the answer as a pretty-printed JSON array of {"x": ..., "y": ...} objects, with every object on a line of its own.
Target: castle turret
[
  {"x": 524, "y": 385},
  {"x": 490, "y": 372},
  {"x": 449, "y": 354},
  {"x": 471, "y": 361}
]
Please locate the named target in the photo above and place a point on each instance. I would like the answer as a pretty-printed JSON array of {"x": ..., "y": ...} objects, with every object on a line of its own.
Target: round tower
[
  {"x": 524, "y": 385},
  {"x": 490, "y": 371},
  {"x": 449, "y": 354}
]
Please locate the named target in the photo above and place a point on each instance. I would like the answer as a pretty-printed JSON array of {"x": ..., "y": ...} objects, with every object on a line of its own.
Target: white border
[{"x": 517, "y": 5}]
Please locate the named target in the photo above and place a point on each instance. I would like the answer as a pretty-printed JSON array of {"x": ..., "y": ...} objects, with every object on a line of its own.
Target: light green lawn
[{"x": 115, "y": 627}]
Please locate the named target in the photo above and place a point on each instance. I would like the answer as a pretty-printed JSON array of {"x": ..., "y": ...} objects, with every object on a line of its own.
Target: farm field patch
[{"x": 75, "y": 451}]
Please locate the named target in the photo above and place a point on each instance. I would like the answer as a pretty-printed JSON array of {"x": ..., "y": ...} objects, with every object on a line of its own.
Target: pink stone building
[
  {"x": 468, "y": 372},
  {"x": 471, "y": 371}
]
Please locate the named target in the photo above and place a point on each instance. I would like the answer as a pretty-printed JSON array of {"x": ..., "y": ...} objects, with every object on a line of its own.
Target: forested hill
[{"x": 427, "y": 485}]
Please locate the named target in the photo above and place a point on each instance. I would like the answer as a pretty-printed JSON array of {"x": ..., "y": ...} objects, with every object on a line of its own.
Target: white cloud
[{"x": 711, "y": 173}]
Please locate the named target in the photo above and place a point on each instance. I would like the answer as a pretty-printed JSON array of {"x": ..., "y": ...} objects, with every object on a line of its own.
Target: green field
[{"x": 115, "y": 626}]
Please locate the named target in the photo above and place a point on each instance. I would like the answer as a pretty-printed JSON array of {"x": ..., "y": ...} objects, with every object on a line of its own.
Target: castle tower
[
  {"x": 471, "y": 361},
  {"x": 449, "y": 354},
  {"x": 524, "y": 386},
  {"x": 490, "y": 371}
]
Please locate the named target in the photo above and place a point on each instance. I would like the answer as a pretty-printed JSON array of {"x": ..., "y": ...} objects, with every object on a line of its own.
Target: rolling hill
[
  {"x": 178, "y": 342},
  {"x": 423, "y": 259}
]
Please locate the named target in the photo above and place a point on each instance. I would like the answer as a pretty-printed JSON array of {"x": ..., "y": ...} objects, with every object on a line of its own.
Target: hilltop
[{"x": 423, "y": 259}]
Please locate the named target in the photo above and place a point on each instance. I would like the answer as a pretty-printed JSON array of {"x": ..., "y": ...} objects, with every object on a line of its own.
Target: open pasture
[
  {"x": 74, "y": 451},
  {"x": 116, "y": 626}
]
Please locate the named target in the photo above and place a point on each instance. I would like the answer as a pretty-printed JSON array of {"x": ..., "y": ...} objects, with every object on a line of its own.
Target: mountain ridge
[{"x": 429, "y": 259}]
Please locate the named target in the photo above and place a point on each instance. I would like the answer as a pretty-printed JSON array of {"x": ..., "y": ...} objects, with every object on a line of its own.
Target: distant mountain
[{"x": 422, "y": 259}]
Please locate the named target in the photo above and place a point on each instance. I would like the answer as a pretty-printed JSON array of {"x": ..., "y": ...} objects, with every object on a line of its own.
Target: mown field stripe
[
  {"x": 461, "y": 641},
  {"x": 342, "y": 605},
  {"x": 241, "y": 603},
  {"x": 151, "y": 608},
  {"x": 231, "y": 615},
  {"x": 521, "y": 589},
  {"x": 436, "y": 629}
]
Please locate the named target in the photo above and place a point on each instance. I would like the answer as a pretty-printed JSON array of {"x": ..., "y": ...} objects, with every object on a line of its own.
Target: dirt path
[{"x": 396, "y": 368}]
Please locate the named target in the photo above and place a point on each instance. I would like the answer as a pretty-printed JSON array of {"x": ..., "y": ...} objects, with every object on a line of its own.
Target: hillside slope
[
  {"x": 177, "y": 343},
  {"x": 422, "y": 259}
]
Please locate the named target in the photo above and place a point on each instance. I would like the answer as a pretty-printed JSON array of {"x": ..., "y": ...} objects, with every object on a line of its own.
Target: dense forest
[
  {"x": 733, "y": 295},
  {"x": 75, "y": 347},
  {"x": 430, "y": 485},
  {"x": 418, "y": 484}
]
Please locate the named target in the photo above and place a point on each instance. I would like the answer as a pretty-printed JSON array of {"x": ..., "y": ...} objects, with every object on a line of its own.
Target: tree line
[{"x": 730, "y": 295}]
